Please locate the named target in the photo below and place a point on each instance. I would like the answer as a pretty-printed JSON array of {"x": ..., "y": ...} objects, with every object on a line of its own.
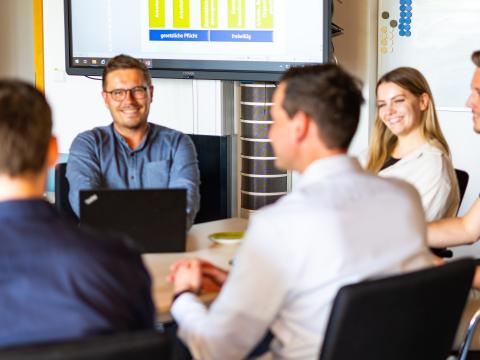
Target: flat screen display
[{"x": 198, "y": 39}]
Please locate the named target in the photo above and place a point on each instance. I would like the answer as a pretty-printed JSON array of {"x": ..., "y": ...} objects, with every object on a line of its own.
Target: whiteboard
[{"x": 438, "y": 40}]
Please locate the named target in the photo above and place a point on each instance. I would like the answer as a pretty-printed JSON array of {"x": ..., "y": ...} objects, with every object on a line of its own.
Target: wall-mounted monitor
[{"x": 198, "y": 39}]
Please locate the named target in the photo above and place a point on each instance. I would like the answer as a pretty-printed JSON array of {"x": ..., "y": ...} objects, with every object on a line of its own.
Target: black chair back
[
  {"x": 61, "y": 192},
  {"x": 412, "y": 316},
  {"x": 214, "y": 163},
  {"x": 462, "y": 178},
  {"x": 142, "y": 345}
]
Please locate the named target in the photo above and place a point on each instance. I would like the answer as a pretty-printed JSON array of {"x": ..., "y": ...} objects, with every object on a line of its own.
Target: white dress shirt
[
  {"x": 432, "y": 174},
  {"x": 339, "y": 225}
]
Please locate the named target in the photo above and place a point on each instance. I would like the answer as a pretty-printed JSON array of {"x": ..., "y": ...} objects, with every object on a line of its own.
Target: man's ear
[
  {"x": 301, "y": 124},
  {"x": 151, "y": 93},
  {"x": 104, "y": 95},
  {"x": 52, "y": 152}
]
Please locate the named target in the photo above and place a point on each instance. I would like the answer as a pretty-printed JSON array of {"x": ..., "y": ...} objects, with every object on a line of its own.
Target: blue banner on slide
[
  {"x": 179, "y": 35},
  {"x": 241, "y": 36}
]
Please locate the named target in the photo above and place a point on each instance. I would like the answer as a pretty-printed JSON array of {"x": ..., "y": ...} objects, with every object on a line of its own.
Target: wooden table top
[{"x": 198, "y": 245}]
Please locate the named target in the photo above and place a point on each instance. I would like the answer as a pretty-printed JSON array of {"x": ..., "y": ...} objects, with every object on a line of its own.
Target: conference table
[{"x": 198, "y": 245}]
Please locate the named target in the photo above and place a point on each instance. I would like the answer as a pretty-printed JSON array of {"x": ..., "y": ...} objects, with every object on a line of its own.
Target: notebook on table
[{"x": 155, "y": 219}]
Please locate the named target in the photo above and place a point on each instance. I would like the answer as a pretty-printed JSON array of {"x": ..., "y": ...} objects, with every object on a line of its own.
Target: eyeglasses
[{"x": 138, "y": 92}]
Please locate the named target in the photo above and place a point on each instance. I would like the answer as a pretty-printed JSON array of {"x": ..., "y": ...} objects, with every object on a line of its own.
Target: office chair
[
  {"x": 462, "y": 179},
  {"x": 411, "y": 316},
  {"x": 214, "y": 163},
  {"x": 463, "y": 353},
  {"x": 139, "y": 345},
  {"x": 61, "y": 192}
]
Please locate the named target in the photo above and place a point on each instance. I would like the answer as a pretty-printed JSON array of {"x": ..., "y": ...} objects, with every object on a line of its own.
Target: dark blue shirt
[
  {"x": 101, "y": 158},
  {"x": 58, "y": 281}
]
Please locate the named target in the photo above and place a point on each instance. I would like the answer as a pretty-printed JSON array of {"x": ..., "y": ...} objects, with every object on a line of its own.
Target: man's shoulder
[
  {"x": 385, "y": 186},
  {"x": 358, "y": 187},
  {"x": 165, "y": 136},
  {"x": 160, "y": 132},
  {"x": 86, "y": 244},
  {"x": 160, "y": 129},
  {"x": 94, "y": 136}
]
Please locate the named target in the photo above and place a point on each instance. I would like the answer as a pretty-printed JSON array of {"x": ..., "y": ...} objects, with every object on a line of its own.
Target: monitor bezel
[{"x": 193, "y": 71}]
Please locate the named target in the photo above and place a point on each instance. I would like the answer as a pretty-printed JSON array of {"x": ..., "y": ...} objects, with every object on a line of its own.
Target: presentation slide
[{"x": 223, "y": 29}]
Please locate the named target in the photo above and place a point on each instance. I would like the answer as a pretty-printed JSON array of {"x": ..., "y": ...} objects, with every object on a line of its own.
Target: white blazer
[{"x": 432, "y": 174}]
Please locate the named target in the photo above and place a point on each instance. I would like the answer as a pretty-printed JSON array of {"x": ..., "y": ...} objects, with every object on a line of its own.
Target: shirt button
[{"x": 131, "y": 177}]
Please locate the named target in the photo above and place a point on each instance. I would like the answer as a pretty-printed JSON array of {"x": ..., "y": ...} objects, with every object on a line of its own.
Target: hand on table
[{"x": 196, "y": 275}]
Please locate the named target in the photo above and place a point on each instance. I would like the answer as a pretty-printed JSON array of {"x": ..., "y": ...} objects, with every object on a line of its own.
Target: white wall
[
  {"x": 191, "y": 106},
  {"x": 356, "y": 51},
  {"x": 16, "y": 39}
]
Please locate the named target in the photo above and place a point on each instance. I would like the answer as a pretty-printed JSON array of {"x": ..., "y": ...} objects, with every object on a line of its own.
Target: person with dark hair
[
  {"x": 132, "y": 152},
  {"x": 466, "y": 229},
  {"x": 58, "y": 281},
  {"x": 297, "y": 252}
]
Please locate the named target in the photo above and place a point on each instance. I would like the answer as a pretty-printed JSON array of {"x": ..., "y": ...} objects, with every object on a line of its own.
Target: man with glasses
[{"x": 132, "y": 152}]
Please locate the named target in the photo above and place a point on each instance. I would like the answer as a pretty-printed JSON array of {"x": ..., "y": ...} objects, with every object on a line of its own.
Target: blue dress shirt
[
  {"x": 58, "y": 281},
  {"x": 166, "y": 158}
]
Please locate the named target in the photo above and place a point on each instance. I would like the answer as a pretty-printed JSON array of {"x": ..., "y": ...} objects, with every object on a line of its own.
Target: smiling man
[
  {"x": 466, "y": 229},
  {"x": 132, "y": 153}
]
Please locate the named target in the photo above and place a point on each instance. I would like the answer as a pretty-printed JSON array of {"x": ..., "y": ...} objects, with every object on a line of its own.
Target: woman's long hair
[{"x": 383, "y": 141}]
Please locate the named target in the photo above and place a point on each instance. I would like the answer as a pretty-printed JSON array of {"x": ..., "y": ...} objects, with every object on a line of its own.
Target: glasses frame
[{"x": 132, "y": 92}]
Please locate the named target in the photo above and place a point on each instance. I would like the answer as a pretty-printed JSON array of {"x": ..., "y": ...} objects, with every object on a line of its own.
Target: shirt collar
[
  {"x": 26, "y": 208},
  {"x": 327, "y": 167},
  {"x": 124, "y": 143}
]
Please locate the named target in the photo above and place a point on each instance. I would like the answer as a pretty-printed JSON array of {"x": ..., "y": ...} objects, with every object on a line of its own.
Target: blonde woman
[{"x": 407, "y": 142}]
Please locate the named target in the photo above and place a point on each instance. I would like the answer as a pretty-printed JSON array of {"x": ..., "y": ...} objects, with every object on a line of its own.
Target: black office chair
[
  {"x": 412, "y": 316},
  {"x": 214, "y": 163},
  {"x": 462, "y": 178},
  {"x": 141, "y": 345},
  {"x": 61, "y": 192}
]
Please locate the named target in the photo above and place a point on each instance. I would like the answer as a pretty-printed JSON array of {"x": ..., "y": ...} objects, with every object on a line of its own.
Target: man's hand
[
  {"x": 186, "y": 275},
  {"x": 196, "y": 275},
  {"x": 212, "y": 276}
]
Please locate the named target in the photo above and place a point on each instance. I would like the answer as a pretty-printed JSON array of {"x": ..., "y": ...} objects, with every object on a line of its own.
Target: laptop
[{"x": 155, "y": 219}]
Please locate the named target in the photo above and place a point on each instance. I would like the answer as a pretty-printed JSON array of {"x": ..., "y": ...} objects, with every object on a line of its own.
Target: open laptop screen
[{"x": 154, "y": 218}]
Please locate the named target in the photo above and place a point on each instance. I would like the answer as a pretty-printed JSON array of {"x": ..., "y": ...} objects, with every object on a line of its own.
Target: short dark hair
[
  {"x": 330, "y": 96},
  {"x": 123, "y": 61},
  {"x": 476, "y": 58},
  {"x": 25, "y": 128}
]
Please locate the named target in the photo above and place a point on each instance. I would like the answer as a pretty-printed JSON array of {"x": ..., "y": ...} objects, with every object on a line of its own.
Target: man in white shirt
[
  {"x": 466, "y": 229},
  {"x": 462, "y": 230},
  {"x": 334, "y": 228}
]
